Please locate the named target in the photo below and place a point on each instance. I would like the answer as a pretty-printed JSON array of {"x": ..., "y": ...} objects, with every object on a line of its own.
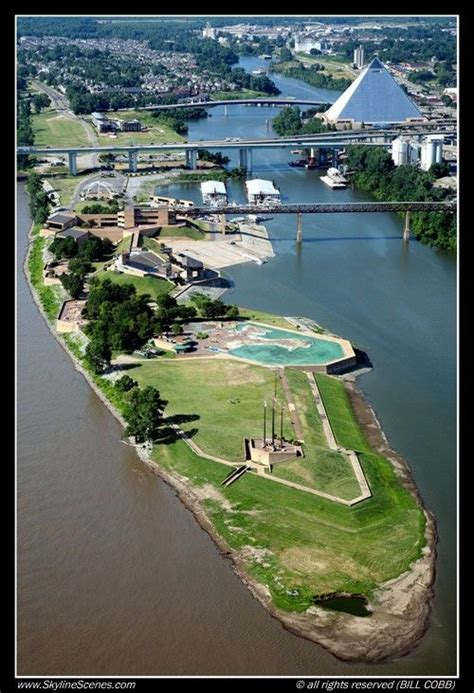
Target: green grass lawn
[
  {"x": 337, "y": 68},
  {"x": 154, "y": 245},
  {"x": 157, "y": 132},
  {"x": 299, "y": 541},
  {"x": 321, "y": 468},
  {"x": 341, "y": 416},
  {"x": 144, "y": 285},
  {"x": 302, "y": 541},
  {"x": 65, "y": 185},
  {"x": 268, "y": 318},
  {"x": 185, "y": 232},
  {"x": 226, "y": 395},
  {"x": 55, "y": 129}
]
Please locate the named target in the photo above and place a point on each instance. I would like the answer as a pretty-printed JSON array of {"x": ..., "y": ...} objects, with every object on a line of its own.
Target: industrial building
[
  {"x": 262, "y": 192},
  {"x": 213, "y": 193},
  {"x": 405, "y": 151},
  {"x": 410, "y": 152},
  {"x": 374, "y": 98},
  {"x": 431, "y": 151}
]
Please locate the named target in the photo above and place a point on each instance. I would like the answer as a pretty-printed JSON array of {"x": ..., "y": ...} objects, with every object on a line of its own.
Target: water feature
[
  {"x": 114, "y": 574},
  {"x": 300, "y": 350}
]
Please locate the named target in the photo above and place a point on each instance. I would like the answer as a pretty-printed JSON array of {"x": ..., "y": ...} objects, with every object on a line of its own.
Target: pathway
[
  {"x": 295, "y": 419},
  {"x": 332, "y": 444}
]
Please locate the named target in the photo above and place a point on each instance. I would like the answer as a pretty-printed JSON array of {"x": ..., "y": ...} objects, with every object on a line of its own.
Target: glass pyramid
[{"x": 374, "y": 97}]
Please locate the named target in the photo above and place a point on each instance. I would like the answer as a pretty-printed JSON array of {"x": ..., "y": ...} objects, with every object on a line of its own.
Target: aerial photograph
[{"x": 236, "y": 381}]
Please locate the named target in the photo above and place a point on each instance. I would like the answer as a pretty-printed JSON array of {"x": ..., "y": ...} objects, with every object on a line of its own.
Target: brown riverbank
[{"x": 401, "y": 606}]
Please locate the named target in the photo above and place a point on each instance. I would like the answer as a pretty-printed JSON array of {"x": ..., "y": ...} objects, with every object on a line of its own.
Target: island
[{"x": 256, "y": 421}]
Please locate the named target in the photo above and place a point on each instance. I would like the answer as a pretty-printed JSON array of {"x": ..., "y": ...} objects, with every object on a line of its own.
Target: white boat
[
  {"x": 334, "y": 178},
  {"x": 260, "y": 71}
]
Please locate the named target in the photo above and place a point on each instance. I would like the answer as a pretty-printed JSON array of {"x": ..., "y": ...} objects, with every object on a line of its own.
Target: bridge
[
  {"x": 327, "y": 140},
  {"x": 320, "y": 208},
  {"x": 324, "y": 208},
  {"x": 262, "y": 101}
]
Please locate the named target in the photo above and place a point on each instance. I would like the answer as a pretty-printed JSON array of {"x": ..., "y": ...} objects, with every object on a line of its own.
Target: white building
[
  {"x": 431, "y": 151},
  {"x": 213, "y": 193},
  {"x": 304, "y": 43},
  {"x": 405, "y": 151},
  {"x": 359, "y": 58},
  {"x": 261, "y": 192},
  {"x": 209, "y": 32}
]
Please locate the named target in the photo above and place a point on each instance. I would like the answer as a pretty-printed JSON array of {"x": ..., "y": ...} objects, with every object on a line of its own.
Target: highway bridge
[
  {"x": 262, "y": 101},
  {"x": 327, "y": 140}
]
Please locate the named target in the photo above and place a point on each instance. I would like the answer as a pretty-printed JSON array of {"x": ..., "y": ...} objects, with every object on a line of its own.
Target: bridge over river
[{"x": 324, "y": 208}]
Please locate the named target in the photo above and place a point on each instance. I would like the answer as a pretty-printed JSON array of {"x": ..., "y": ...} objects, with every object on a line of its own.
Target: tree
[
  {"x": 177, "y": 328},
  {"x": 98, "y": 355},
  {"x": 285, "y": 55},
  {"x": 40, "y": 102},
  {"x": 232, "y": 312},
  {"x": 64, "y": 247},
  {"x": 79, "y": 266},
  {"x": 439, "y": 170},
  {"x": 73, "y": 284},
  {"x": 125, "y": 383},
  {"x": 144, "y": 414}
]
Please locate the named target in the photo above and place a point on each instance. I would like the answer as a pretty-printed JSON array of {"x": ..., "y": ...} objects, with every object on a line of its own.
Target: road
[{"x": 61, "y": 104}]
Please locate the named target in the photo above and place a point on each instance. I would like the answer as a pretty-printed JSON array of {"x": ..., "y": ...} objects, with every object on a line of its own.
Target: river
[{"x": 114, "y": 574}]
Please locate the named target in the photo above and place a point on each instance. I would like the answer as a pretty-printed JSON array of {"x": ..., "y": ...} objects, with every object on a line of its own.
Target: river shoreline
[{"x": 401, "y": 607}]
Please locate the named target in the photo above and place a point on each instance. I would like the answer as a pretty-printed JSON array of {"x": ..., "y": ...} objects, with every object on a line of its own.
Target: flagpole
[
  {"x": 273, "y": 422},
  {"x": 281, "y": 429},
  {"x": 264, "y": 422}
]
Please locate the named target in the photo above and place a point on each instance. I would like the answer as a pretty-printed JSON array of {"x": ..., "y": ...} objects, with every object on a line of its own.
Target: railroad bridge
[{"x": 325, "y": 208}]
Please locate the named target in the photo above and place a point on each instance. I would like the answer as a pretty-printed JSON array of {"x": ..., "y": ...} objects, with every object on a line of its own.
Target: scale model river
[{"x": 115, "y": 576}]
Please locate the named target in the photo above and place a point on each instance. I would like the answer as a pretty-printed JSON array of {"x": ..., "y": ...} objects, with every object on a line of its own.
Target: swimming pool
[{"x": 283, "y": 347}]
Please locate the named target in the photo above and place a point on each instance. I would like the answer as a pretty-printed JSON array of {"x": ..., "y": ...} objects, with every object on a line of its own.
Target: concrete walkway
[{"x": 332, "y": 444}]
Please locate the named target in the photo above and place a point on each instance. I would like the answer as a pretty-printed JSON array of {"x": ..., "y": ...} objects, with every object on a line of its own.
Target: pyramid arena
[{"x": 374, "y": 98}]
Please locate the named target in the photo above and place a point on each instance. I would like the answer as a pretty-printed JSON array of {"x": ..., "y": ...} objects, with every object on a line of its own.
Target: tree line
[
  {"x": 290, "y": 121},
  {"x": 375, "y": 172},
  {"x": 315, "y": 77}
]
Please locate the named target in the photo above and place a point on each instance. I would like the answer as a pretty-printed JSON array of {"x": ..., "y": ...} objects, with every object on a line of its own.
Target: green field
[
  {"x": 144, "y": 285},
  {"x": 320, "y": 468},
  {"x": 343, "y": 421},
  {"x": 233, "y": 393},
  {"x": 54, "y": 129},
  {"x": 157, "y": 133},
  {"x": 299, "y": 541},
  {"x": 65, "y": 185},
  {"x": 290, "y": 539},
  {"x": 185, "y": 232},
  {"x": 335, "y": 66},
  {"x": 268, "y": 318}
]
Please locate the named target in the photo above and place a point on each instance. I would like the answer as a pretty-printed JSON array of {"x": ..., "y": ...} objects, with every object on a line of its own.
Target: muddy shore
[{"x": 400, "y": 607}]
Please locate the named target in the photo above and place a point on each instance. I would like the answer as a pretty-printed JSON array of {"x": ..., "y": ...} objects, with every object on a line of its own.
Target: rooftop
[
  {"x": 210, "y": 187},
  {"x": 73, "y": 233},
  {"x": 60, "y": 218},
  {"x": 258, "y": 185}
]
